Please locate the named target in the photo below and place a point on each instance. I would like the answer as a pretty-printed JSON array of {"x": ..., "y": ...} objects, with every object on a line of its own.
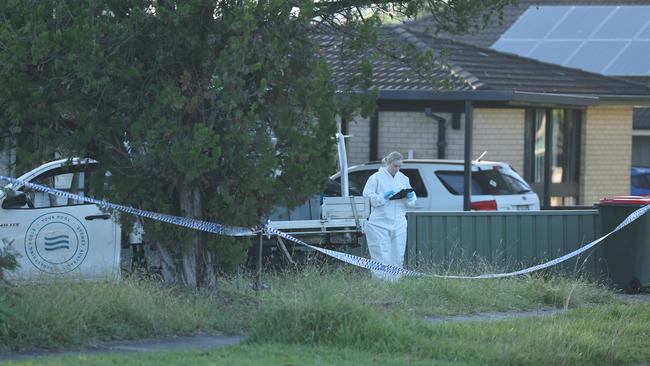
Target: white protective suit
[{"x": 386, "y": 227}]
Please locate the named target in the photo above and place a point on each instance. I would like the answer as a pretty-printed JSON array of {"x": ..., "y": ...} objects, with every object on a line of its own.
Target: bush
[{"x": 8, "y": 261}]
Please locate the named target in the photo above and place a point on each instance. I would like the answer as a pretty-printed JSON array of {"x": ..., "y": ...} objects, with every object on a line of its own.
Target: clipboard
[{"x": 401, "y": 194}]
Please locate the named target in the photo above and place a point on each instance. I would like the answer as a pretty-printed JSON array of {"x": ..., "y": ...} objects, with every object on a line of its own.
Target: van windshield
[{"x": 484, "y": 182}]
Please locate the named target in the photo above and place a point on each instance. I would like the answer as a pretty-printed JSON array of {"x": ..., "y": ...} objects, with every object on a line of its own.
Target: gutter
[
  {"x": 636, "y": 100},
  {"x": 502, "y": 96}
]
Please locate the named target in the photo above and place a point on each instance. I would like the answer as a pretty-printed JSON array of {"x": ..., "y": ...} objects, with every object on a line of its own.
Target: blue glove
[
  {"x": 388, "y": 194},
  {"x": 410, "y": 195}
]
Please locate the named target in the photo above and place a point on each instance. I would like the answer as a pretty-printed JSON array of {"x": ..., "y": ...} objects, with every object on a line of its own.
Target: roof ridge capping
[{"x": 456, "y": 70}]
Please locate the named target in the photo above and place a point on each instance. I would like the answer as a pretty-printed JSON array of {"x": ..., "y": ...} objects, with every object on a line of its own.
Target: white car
[{"x": 439, "y": 185}]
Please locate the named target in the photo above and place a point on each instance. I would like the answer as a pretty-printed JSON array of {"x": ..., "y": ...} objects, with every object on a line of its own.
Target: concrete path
[{"x": 141, "y": 345}]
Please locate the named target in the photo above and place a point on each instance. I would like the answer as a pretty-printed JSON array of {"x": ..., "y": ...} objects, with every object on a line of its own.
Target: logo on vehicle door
[{"x": 56, "y": 243}]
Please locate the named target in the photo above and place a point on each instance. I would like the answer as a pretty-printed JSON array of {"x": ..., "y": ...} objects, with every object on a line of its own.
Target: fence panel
[{"x": 502, "y": 239}]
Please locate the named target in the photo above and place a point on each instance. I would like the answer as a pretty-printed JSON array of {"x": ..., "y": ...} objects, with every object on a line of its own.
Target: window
[
  {"x": 641, "y": 181},
  {"x": 357, "y": 181},
  {"x": 416, "y": 181},
  {"x": 484, "y": 182},
  {"x": 553, "y": 137},
  {"x": 67, "y": 179}
]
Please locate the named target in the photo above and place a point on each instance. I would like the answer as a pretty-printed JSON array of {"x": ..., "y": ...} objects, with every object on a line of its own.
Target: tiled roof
[
  {"x": 389, "y": 72},
  {"x": 495, "y": 28},
  {"x": 473, "y": 68}
]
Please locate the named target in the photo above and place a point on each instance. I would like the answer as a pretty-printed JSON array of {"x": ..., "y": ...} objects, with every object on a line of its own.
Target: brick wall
[
  {"x": 358, "y": 146},
  {"x": 499, "y": 131},
  {"x": 404, "y": 131},
  {"x": 607, "y": 153}
]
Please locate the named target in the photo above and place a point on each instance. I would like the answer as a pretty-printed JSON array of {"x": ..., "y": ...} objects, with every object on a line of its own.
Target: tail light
[{"x": 484, "y": 205}]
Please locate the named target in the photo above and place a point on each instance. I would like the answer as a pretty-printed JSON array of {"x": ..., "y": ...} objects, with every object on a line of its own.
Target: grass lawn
[
  {"x": 603, "y": 335},
  {"x": 332, "y": 316}
]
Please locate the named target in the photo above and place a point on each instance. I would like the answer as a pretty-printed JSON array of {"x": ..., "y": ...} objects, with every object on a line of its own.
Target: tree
[{"x": 217, "y": 110}]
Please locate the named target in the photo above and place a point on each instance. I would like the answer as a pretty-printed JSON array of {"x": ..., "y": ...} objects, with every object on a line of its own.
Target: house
[
  {"x": 610, "y": 37},
  {"x": 512, "y": 104}
]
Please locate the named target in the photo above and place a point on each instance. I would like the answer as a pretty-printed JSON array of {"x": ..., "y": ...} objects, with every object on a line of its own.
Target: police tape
[
  {"x": 396, "y": 270},
  {"x": 361, "y": 262},
  {"x": 206, "y": 226}
]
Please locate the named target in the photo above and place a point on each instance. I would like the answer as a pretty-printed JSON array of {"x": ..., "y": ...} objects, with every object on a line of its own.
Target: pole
[
  {"x": 467, "y": 177},
  {"x": 258, "y": 277},
  {"x": 343, "y": 162}
]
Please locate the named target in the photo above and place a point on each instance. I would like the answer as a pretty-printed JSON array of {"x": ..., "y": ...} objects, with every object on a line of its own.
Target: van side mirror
[{"x": 18, "y": 200}]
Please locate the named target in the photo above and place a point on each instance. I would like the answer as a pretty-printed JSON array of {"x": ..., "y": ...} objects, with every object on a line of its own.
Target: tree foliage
[{"x": 210, "y": 109}]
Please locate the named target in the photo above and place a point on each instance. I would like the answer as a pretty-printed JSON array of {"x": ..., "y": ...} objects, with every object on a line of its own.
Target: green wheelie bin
[{"x": 625, "y": 258}]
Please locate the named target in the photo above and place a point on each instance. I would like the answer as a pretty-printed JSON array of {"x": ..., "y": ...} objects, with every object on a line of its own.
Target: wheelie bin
[{"x": 625, "y": 258}]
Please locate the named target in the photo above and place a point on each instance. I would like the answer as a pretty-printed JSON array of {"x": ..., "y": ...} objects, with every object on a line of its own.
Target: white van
[{"x": 439, "y": 185}]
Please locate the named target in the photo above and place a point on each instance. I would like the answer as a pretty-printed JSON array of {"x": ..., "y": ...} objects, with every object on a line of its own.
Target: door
[{"x": 58, "y": 236}]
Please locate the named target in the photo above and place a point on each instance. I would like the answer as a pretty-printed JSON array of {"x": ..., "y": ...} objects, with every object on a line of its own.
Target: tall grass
[
  {"x": 329, "y": 302},
  {"x": 324, "y": 316},
  {"x": 62, "y": 313}
]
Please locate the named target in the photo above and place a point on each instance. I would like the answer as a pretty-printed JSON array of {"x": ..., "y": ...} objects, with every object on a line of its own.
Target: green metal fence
[{"x": 504, "y": 239}]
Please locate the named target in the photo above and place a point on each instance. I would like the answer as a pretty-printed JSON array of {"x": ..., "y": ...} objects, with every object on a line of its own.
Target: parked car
[
  {"x": 640, "y": 181},
  {"x": 439, "y": 185}
]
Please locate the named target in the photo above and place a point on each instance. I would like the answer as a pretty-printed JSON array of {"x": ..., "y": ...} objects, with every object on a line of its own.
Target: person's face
[{"x": 394, "y": 167}]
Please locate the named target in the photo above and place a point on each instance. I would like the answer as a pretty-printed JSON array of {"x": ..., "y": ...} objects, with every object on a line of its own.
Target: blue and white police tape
[
  {"x": 375, "y": 265},
  {"x": 345, "y": 257},
  {"x": 348, "y": 258},
  {"x": 206, "y": 226}
]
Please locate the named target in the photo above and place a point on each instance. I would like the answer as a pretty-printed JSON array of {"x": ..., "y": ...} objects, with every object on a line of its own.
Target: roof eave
[
  {"x": 497, "y": 96},
  {"x": 635, "y": 100}
]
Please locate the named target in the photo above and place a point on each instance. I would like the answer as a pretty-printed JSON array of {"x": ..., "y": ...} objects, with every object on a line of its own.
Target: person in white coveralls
[{"x": 386, "y": 226}]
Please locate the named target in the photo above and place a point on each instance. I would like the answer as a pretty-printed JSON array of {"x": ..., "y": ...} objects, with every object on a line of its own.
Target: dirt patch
[{"x": 490, "y": 316}]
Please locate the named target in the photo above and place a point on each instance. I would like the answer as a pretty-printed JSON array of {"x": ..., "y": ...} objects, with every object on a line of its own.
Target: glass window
[
  {"x": 357, "y": 181},
  {"x": 454, "y": 182},
  {"x": 641, "y": 181},
  {"x": 564, "y": 153},
  {"x": 416, "y": 181},
  {"x": 63, "y": 180},
  {"x": 484, "y": 182}
]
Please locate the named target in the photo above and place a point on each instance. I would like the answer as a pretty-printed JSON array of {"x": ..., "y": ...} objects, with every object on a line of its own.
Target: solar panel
[
  {"x": 596, "y": 55},
  {"x": 635, "y": 60},
  {"x": 580, "y": 22},
  {"x": 554, "y": 51},
  {"x": 611, "y": 40}
]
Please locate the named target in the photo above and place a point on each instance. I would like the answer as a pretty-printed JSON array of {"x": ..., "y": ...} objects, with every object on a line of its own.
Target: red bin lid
[{"x": 626, "y": 200}]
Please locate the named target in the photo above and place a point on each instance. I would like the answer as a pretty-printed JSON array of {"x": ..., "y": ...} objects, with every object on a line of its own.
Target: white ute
[{"x": 56, "y": 236}]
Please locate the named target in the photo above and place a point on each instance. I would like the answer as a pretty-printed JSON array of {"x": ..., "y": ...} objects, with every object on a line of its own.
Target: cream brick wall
[
  {"x": 500, "y": 132},
  {"x": 404, "y": 131},
  {"x": 358, "y": 146},
  {"x": 606, "y": 153}
]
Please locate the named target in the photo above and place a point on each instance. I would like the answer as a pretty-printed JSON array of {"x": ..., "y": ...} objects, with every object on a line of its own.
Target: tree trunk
[{"x": 189, "y": 264}]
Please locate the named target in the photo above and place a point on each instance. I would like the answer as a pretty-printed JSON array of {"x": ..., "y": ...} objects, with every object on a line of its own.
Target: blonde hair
[{"x": 392, "y": 157}]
